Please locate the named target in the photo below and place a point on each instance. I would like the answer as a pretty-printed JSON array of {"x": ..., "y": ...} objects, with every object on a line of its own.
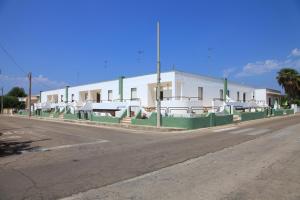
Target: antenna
[
  {"x": 209, "y": 56},
  {"x": 173, "y": 67},
  {"x": 140, "y": 52},
  {"x": 77, "y": 78},
  {"x": 105, "y": 63}
]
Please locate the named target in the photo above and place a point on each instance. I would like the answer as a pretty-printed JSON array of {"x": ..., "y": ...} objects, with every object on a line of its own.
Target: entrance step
[
  {"x": 126, "y": 120},
  {"x": 236, "y": 118},
  {"x": 61, "y": 116}
]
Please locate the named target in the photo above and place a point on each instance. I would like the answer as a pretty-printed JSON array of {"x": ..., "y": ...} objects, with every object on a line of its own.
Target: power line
[
  {"x": 12, "y": 58},
  {"x": 19, "y": 66}
]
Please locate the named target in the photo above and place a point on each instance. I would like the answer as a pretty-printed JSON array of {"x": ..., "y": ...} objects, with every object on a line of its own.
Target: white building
[{"x": 179, "y": 90}]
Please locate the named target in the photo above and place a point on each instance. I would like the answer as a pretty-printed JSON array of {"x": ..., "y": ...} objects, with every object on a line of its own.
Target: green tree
[
  {"x": 17, "y": 92},
  {"x": 10, "y": 102},
  {"x": 289, "y": 79}
]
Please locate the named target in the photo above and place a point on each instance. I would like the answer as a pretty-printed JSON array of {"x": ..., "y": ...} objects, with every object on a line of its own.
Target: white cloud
[
  {"x": 40, "y": 79},
  {"x": 38, "y": 82},
  {"x": 295, "y": 52},
  {"x": 227, "y": 72},
  {"x": 259, "y": 67},
  {"x": 262, "y": 67}
]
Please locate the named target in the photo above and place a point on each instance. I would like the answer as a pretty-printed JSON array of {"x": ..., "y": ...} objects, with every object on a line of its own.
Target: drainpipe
[
  {"x": 225, "y": 90},
  {"x": 121, "y": 78},
  {"x": 67, "y": 94}
]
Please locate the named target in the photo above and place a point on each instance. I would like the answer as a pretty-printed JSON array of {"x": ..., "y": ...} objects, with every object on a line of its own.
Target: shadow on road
[{"x": 12, "y": 147}]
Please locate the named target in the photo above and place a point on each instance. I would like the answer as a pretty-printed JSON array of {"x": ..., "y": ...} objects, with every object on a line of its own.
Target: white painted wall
[
  {"x": 103, "y": 86},
  {"x": 58, "y": 92},
  {"x": 261, "y": 96},
  {"x": 183, "y": 84},
  {"x": 141, "y": 83},
  {"x": 211, "y": 87}
]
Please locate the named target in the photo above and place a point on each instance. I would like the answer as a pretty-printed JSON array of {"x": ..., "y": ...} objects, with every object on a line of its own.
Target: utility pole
[
  {"x": 158, "y": 78},
  {"x": 29, "y": 98},
  {"x": 1, "y": 96},
  {"x": 2, "y": 100}
]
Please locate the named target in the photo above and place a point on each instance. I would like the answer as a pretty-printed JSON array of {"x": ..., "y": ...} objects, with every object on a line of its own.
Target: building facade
[{"x": 178, "y": 89}]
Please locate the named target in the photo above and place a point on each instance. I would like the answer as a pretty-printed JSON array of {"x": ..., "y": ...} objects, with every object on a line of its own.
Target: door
[
  {"x": 161, "y": 96},
  {"x": 98, "y": 97}
]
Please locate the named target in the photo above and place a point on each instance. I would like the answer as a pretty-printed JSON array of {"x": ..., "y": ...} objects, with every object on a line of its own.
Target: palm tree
[{"x": 289, "y": 79}]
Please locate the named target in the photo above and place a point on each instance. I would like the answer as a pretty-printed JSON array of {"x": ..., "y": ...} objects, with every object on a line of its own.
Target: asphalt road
[{"x": 49, "y": 160}]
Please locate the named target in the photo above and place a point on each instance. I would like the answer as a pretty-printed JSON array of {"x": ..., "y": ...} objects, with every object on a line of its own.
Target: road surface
[{"x": 50, "y": 160}]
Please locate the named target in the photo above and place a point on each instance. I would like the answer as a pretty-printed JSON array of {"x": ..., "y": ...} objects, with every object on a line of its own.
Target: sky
[{"x": 71, "y": 42}]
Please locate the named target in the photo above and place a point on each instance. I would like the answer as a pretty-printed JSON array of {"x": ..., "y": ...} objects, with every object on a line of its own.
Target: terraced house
[{"x": 181, "y": 93}]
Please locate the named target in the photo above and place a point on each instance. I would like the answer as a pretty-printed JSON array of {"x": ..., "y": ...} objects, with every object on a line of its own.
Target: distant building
[{"x": 34, "y": 99}]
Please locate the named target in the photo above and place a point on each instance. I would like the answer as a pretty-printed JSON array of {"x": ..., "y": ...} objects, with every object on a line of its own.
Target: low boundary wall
[
  {"x": 245, "y": 116},
  {"x": 186, "y": 123},
  {"x": 209, "y": 120}
]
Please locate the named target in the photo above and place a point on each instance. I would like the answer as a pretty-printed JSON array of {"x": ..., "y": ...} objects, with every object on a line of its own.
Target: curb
[{"x": 101, "y": 124}]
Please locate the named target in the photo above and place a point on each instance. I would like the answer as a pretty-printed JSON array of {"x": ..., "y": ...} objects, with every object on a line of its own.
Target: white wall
[
  {"x": 261, "y": 96},
  {"x": 183, "y": 84},
  {"x": 141, "y": 83},
  {"x": 59, "y": 92},
  {"x": 103, "y": 86},
  {"x": 211, "y": 87}
]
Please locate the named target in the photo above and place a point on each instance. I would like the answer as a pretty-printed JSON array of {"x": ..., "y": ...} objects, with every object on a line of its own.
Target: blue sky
[{"x": 73, "y": 42}]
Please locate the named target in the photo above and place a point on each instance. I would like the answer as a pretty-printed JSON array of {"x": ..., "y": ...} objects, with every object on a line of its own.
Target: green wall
[
  {"x": 70, "y": 116},
  {"x": 45, "y": 114},
  {"x": 105, "y": 119},
  {"x": 222, "y": 120},
  {"x": 56, "y": 114},
  {"x": 289, "y": 111},
  {"x": 245, "y": 116},
  {"x": 185, "y": 122},
  {"x": 151, "y": 121},
  {"x": 278, "y": 112},
  {"x": 23, "y": 113}
]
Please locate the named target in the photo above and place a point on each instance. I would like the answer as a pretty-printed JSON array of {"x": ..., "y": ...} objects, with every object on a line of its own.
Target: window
[
  {"x": 200, "y": 93},
  {"x": 228, "y": 93},
  {"x": 133, "y": 93},
  {"x": 244, "y": 97},
  {"x": 109, "y": 95},
  {"x": 72, "y": 97},
  {"x": 221, "y": 94},
  {"x": 98, "y": 97},
  {"x": 238, "y": 96},
  {"x": 161, "y": 96},
  {"x": 86, "y": 96},
  {"x": 61, "y": 98}
]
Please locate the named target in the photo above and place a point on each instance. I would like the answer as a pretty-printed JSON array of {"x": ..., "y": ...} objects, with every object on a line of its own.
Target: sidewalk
[{"x": 101, "y": 124}]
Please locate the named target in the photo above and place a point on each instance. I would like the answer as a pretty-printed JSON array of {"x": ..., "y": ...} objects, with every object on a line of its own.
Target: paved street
[{"x": 50, "y": 160}]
